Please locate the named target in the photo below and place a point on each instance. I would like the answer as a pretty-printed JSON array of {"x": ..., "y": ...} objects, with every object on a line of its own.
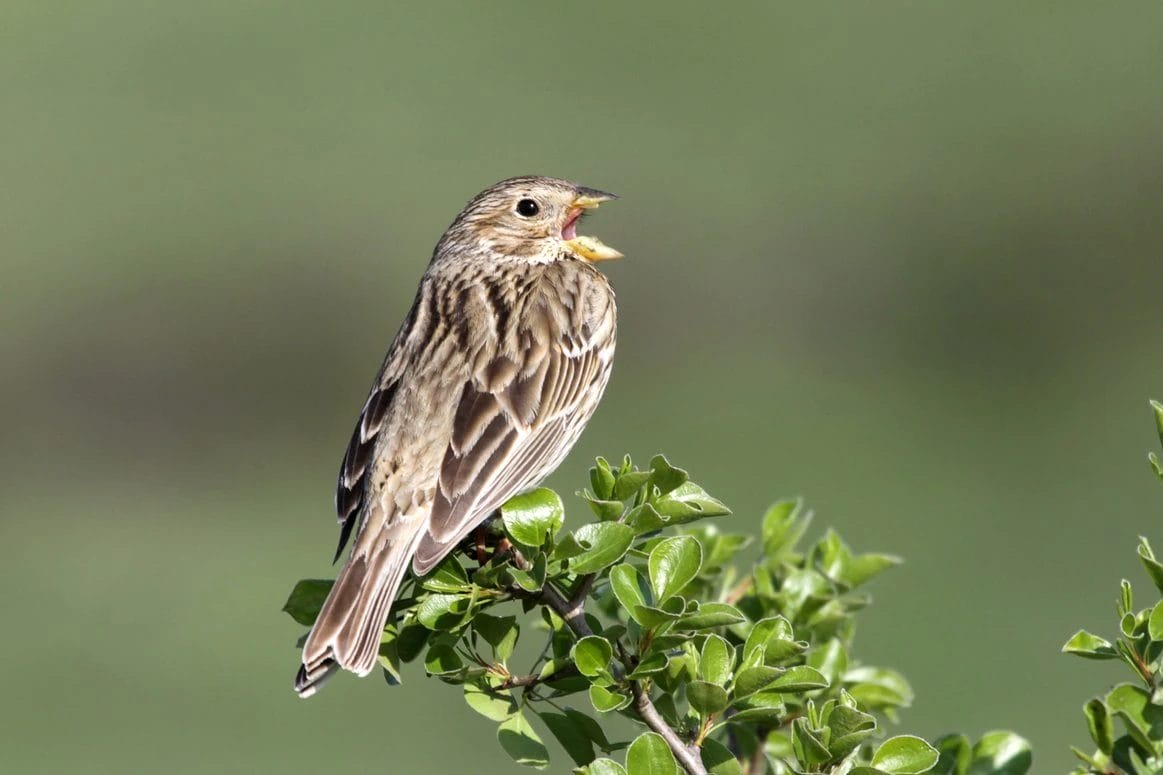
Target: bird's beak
[
  {"x": 590, "y": 197},
  {"x": 589, "y": 248}
]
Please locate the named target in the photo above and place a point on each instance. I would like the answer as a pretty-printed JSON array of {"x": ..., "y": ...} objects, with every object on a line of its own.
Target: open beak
[{"x": 589, "y": 248}]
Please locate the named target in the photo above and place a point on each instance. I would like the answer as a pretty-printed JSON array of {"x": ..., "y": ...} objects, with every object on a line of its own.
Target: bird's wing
[
  {"x": 353, "y": 472},
  {"x": 517, "y": 417}
]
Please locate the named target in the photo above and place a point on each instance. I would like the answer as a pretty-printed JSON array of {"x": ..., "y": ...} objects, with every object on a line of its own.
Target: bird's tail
[{"x": 347, "y": 631}]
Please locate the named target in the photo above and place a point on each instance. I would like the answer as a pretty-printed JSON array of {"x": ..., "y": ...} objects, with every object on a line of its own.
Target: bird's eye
[{"x": 527, "y": 208}]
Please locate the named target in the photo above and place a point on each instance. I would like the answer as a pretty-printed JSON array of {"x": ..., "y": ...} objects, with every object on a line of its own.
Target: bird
[{"x": 495, "y": 371}]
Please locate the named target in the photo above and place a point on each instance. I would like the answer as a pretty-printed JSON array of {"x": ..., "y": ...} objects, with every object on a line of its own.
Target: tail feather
[{"x": 347, "y": 631}]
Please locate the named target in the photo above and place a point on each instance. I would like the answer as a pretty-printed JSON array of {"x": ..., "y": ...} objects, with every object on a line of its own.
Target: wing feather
[
  {"x": 351, "y": 489},
  {"x": 517, "y": 417}
]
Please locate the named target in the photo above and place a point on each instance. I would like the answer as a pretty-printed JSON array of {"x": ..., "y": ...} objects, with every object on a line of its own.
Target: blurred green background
[{"x": 900, "y": 258}]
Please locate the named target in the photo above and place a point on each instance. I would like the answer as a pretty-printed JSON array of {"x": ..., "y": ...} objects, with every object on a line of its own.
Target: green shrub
[
  {"x": 643, "y": 614},
  {"x": 1137, "y": 706}
]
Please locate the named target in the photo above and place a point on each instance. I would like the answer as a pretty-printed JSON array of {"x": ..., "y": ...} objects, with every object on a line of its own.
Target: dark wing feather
[
  {"x": 351, "y": 488},
  {"x": 514, "y": 423}
]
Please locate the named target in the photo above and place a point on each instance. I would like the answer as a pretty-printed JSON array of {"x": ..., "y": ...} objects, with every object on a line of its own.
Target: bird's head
[{"x": 530, "y": 218}]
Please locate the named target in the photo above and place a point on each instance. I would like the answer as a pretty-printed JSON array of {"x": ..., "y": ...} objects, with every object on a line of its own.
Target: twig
[
  {"x": 528, "y": 681},
  {"x": 573, "y": 612},
  {"x": 738, "y": 591},
  {"x": 687, "y": 755}
]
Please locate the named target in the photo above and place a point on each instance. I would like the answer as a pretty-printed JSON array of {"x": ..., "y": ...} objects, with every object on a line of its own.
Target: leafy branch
[
  {"x": 644, "y": 615},
  {"x": 1136, "y": 705}
]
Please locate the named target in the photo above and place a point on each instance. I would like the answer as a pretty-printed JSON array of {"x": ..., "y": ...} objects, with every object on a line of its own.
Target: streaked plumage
[{"x": 497, "y": 368}]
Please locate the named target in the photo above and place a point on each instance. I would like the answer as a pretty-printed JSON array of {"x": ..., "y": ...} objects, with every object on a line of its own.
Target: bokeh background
[{"x": 900, "y": 258}]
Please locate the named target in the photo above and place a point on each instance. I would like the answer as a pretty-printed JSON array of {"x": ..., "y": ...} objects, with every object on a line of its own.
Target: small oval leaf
[
  {"x": 534, "y": 517},
  {"x": 603, "y": 544},
  {"x": 1002, "y": 753},
  {"x": 592, "y": 655},
  {"x": 522, "y": 743},
  {"x": 706, "y": 698},
  {"x": 650, "y": 755},
  {"x": 672, "y": 564},
  {"x": 904, "y": 755}
]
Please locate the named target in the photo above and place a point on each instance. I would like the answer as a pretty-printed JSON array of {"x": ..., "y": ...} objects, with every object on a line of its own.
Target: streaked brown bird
[{"x": 497, "y": 368}]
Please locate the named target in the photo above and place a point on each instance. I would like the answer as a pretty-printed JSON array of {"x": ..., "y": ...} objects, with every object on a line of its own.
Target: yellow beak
[
  {"x": 592, "y": 198},
  {"x": 592, "y": 248}
]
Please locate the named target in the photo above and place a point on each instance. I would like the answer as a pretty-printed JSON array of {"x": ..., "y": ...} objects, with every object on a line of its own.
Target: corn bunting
[{"x": 497, "y": 368}]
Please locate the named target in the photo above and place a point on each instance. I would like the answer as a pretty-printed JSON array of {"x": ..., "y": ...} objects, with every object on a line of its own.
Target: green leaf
[
  {"x": 602, "y": 479},
  {"x": 606, "y": 700},
  {"x": 650, "y": 755},
  {"x": 718, "y": 548},
  {"x": 592, "y": 655},
  {"x": 442, "y": 660},
  {"x": 1099, "y": 723},
  {"x": 605, "y": 767},
  {"x": 956, "y": 753},
  {"x": 718, "y": 759},
  {"x": 624, "y": 581},
  {"x": 522, "y": 743},
  {"x": 592, "y": 729},
  {"x": 493, "y": 705},
  {"x": 800, "y": 678},
  {"x": 1126, "y": 599},
  {"x": 306, "y": 599},
  {"x": 573, "y": 739},
  {"x": 604, "y": 510},
  {"x": 1154, "y": 567},
  {"x": 706, "y": 698},
  {"x": 1155, "y": 622},
  {"x": 630, "y": 483},
  {"x": 500, "y": 632},
  {"x": 389, "y": 654},
  {"x": 783, "y": 526},
  {"x": 710, "y": 616},
  {"x": 808, "y": 748},
  {"x": 1085, "y": 644},
  {"x": 649, "y": 616},
  {"x": 905, "y": 755},
  {"x": 411, "y": 640},
  {"x": 716, "y": 660},
  {"x": 644, "y": 519},
  {"x": 654, "y": 663},
  {"x": 672, "y": 564},
  {"x": 1132, "y": 704},
  {"x": 682, "y": 668},
  {"x": 442, "y": 612},
  {"x": 688, "y": 502},
  {"x": 603, "y": 544},
  {"x": 773, "y": 628},
  {"x": 765, "y": 708},
  {"x": 448, "y": 576},
  {"x": 752, "y": 679},
  {"x": 879, "y": 688},
  {"x": 528, "y": 580},
  {"x": 849, "y": 727},
  {"x": 534, "y": 517},
  {"x": 1157, "y": 410},
  {"x": 1001, "y": 753},
  {"x": 666, "y": 477},
  {"x": 864, "y": 567},
  {"x": 830, "y": 659},
  {"x": 801, "y": 585}
]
